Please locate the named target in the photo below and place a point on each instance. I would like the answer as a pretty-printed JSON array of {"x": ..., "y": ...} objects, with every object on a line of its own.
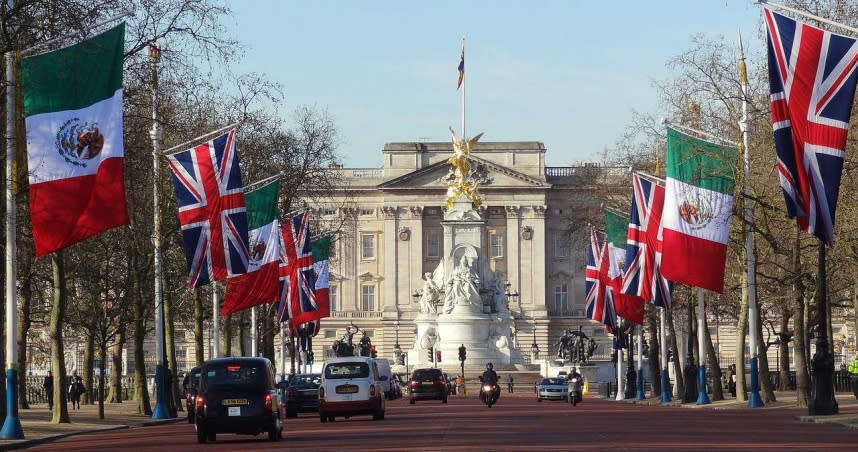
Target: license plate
[
  {"x": 347, "y": 389},
  {"x": 234, "y": 402},
  {"x": 428, "y": 383},
  {"x": 234, "y": 411}
]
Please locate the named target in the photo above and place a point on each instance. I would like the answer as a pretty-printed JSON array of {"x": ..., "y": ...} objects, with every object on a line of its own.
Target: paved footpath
[
  {"x": 38, "y": 428},
  {"x": 517, "y": 422}
]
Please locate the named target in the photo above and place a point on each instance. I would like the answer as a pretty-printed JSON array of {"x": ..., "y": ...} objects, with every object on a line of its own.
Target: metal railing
[{"x": 356, "y": 314}]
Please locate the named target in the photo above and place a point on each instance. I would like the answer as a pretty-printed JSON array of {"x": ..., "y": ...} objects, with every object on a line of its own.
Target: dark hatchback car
[
  {"x": 427, "y": 384},
  {"x": 303, "y": 394},
  {"x": 237, "y": 395},
  {"x": 190, "y": 385}
]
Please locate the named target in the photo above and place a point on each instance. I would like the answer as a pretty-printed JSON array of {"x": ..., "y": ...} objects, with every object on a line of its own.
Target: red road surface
[{"x": 516, "y": 423}]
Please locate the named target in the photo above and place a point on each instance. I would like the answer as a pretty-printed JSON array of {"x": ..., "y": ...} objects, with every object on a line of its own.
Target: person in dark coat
[
  {"x": 48, "y": 385},
  {"x": 76, "y": 390},
  {"x": 731, "y": 380}
]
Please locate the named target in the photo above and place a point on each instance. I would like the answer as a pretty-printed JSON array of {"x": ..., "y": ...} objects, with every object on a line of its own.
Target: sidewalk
[
  {"x": 846, "y": 402},
  {"x": 38, "y": 428}
]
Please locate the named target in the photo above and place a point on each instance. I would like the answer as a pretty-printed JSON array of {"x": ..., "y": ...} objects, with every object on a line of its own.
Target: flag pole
[
  {"x": 640, "y": 376},
  {"x": 464, "y": 82},
  {"x": 620, "y": 369},
  {"x": 253, "y": 338},
  {"x": 215, "y": 322},
  {"x": 12, "y": 425},
  {"x": 283, "y": 363},
  {"x": 754, "y": 399},
  {"x": 702, "y": 397},
  {"x": 662, "y": 342},
  {"x": 161, "y": 410},
  {"x": 808, "y": 15}
]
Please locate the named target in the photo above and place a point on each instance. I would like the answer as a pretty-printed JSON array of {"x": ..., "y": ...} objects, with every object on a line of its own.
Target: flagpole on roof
[
  {"x": 464, "y": 82},
  {"x": 754, "y": 399},
  {"x": 161, "y": 410},
  {"x": 807, "y": 15}
]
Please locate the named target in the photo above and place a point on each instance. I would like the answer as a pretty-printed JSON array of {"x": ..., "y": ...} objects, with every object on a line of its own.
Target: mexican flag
[
  {"x": 261, "y": 283},
  {"x": 627, "y": 306},
  {"x": 697, "y": 207},
  {"x": 75, "y": 151},
  {"x": 321, "y": 268}
]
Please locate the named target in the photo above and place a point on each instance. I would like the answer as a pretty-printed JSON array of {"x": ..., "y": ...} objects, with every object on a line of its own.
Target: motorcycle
[
  {"x": 575, "y": 384},
  {"x": 489, "y": 392}
]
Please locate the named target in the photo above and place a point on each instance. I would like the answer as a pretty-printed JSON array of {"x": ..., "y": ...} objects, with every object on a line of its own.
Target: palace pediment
[{"x": 490, "y": 175}]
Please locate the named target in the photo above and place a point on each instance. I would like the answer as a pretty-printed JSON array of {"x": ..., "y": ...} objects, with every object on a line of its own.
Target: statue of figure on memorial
[
  {"x": 364, "y": 345},
  {"x": 431, "y": 295},
  {"x": 563, "y": 346},
  {"x": 463, "y": 287}
]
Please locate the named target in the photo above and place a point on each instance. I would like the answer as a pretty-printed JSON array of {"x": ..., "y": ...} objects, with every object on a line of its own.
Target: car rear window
[
  {"x": 553, "y": 381},
  {"x": 426, "y": 374},
  {"x": 306, "y": 380},
  {"x": 220, "y": 375},
  {"x": 338, "y": 371}
]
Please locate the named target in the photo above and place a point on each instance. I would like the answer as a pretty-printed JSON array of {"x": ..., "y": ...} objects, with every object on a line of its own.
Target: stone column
[
  {"x": 415, "y": 257},
  {"x": 390, "y": 266},
  {"x": 513, "y": 251},
  {"x": 538, "y": 261}
]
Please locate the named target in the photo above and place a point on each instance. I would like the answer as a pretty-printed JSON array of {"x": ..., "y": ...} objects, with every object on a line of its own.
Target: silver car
[{"x": 552, "y": 389}]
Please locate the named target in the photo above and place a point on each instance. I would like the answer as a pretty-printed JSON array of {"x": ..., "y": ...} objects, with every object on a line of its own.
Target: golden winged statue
[{"x": 460, "y": 161}]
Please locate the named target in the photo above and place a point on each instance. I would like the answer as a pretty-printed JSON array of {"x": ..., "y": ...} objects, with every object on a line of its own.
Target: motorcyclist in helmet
[{"x": 490, "y": 376}]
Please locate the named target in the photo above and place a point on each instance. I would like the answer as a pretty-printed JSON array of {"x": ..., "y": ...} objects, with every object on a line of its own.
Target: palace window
[
  {"x": 367, "y": 248},
  {"x": 367, "y": 297},
  {"x": 329, "y": 212},
  {"x": 497, "y": 245},
  {"x": 330, "y": 334},
  {"x": 561, "y": 247},
  {"x": 332, "y": 297},
  {"x": 367, "y": 211},
  {"x": 433, "y": 245},
  {"x": 561, "y": 298},
  {"x": 332, "y": 252}
]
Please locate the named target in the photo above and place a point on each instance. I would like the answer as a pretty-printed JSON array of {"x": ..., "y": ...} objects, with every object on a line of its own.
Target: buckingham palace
[{"x": 389, "y": 235}]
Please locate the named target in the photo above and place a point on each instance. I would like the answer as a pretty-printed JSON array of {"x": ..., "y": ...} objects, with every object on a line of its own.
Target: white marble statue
[
  {"x": 429, "y": 339},
  {"x": 464, "y": 286},
  {"x": 431, "y": 295}
]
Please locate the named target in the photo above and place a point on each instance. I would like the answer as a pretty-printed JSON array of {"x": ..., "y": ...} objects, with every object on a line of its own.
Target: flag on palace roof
[
  {"x": 644, "y": 244},
  {"x": 697, "y": 208},
  {"x": 75, "y": 148},
  {"x": 629, "y": 307},
  {"x": 260, "y": 284},
  {"x": 812, "y": 77},
  {"x": 212, "y": 213}
]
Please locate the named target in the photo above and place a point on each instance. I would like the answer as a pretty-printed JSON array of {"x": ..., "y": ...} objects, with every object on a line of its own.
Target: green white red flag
[
  {"x": 629, "y": 307},
  {"x": 260, "y": 284},
  {"x": 697, "y": 208},
  {"x": 75, "y": 150}
]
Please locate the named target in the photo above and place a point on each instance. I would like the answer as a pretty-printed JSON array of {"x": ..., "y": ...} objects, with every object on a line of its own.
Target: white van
[
  {"x": 386, "y": 377},
  {"x": 351, "y": 386}
]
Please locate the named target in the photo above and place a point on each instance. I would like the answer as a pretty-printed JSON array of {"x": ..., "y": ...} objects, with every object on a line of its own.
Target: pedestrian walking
[
  {"x": 76, "y": 390},
  {"x": 48, "y": 386},
  {"x": 853, "y": 372},
  {"x": 731, "y": 380},
  {"x": 509, "y": 384}
]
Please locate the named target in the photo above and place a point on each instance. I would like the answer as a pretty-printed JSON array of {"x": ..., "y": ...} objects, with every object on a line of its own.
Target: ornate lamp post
[
  {"x": 397, "y": 350},
  {"x": 631, "y": 375},
  {"x": 534, "y": 348}
]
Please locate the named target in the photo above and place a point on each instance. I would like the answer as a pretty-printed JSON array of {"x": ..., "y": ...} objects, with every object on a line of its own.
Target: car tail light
[
  {"x": 321, "y": 392},
  {"x": 413, "y": 384},
  {"x": 190, "y": 398},
  {"x": 268, "y": 403},
  {"x": 372, "y": 390},
  {"x": 200, "y": 403},
  {"x": 443, "y": 383}
]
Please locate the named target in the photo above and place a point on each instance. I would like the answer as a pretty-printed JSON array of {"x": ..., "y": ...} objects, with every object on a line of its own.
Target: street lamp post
[
  {"x": 631, "y": 375},
  {"x": 690, "y": 371},
  {"x": 534, "y": 348},
  {"x": 397, "y": 350}
]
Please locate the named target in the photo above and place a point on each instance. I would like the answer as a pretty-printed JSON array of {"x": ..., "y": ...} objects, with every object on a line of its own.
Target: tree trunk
[
  {"x": 24, "y": 323},
  {"x": 677, "y": 364},
  {"x": 227, "y": 335},
  {"x": 88, "y": 351},
  {"x": 115, "y": 394},
  {"x": 783, "y": 351},
  {"x": 268, "y": 328},
  {"x": 741, "y": 332},
  {"x": 714, "y": 364},
  {"x": 102, "y": 353},
  {"x": 768, "y": 391},
  {"x": 60, "y": 413},
  {"x": 802, "y": 377},
  {"x": 173, "y": 366},
  {"x": 654, "y": 358},
  {"x": 141, "y": 390},
  {"x": 199, "y": 346}
]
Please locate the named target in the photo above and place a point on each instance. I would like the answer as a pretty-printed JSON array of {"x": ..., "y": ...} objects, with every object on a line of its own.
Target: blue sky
[{"x": 567, "y": 73}]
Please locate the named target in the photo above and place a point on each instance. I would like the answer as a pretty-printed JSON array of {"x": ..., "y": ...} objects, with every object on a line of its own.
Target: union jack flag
[
  {"x": 599, "y": 303},
  {"x": 812, "y": 79},
  {"x": 210, "y": 195},
  {"x": 643, "y": 245},
  {"x": 297, "y": 278}
]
